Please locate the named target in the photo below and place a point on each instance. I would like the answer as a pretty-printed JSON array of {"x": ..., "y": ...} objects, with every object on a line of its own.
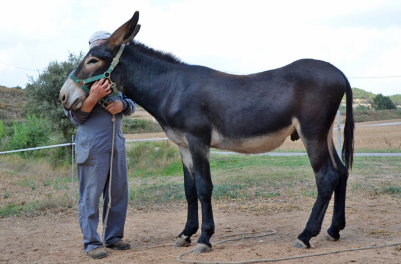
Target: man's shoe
[
  {"x": 98, "y": 253},
  {"x": 120, "y": 245}
]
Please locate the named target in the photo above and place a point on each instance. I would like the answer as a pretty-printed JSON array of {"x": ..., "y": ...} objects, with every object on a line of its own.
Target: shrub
[
  {"x": 29, "y": 134},
  {"x": 362, "y": 108},
  {"x": 42, "y": 94},
  {"x": 381, "y": 102},
  {"x": 2, "y": 131}
]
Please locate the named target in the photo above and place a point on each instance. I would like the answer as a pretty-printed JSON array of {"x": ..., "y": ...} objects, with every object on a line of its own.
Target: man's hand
[
  {"x": 115, "y": 107},
  {"x": 98, "y": 90}
]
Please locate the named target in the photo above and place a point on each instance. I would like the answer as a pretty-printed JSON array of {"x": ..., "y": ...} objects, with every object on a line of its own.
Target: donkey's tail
[{"x": 348, "y": 146}]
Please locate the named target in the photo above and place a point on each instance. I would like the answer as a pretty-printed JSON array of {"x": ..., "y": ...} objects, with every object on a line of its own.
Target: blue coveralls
[{"x": 93, "y": 152}]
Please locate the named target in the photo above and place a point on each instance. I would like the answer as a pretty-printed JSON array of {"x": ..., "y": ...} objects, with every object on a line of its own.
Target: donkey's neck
[{"x": 149, "y": 81}]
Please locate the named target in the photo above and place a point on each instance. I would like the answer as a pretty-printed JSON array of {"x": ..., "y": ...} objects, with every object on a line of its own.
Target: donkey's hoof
[
  {"x": 202, "y": 248},
  {"x": 300, "y": 244},
  {"x": 330, "y": 238},
  {"x": 181, "y": 242}
]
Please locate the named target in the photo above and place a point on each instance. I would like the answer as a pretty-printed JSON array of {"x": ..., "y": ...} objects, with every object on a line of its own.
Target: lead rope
[
  {"x": 273, "y": 232},
  {"x": 113, "y": 119}
]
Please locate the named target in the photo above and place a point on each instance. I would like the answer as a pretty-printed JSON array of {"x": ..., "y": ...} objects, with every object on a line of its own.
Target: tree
[
  {"x": 381, "y": 102},
  {"x": 42, "y": 94}
]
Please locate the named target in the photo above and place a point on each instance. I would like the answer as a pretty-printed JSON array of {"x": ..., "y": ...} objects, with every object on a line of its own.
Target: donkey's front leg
[
  {"x": 192, "y": 225},
  {"x": 200, "y": 152}
]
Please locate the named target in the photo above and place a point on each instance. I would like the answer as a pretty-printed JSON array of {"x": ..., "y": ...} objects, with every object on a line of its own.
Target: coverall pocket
[{"x": 82, "y": 151}]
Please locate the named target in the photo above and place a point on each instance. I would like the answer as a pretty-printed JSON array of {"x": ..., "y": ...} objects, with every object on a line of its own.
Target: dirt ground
[{"x": 56, "y": 237}]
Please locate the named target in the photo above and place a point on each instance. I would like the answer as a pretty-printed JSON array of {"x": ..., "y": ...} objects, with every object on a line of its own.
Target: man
[{"x": 93, "y": 154}]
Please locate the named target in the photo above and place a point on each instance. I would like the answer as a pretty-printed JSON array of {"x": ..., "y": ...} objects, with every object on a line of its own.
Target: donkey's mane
[{"x": 160, "y": 55}]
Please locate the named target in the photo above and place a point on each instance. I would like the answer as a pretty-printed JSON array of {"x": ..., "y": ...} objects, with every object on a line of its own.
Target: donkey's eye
[{"x": 93, "y": 60}]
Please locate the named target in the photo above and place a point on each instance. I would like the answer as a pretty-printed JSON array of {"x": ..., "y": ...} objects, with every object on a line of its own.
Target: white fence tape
[{"x": 155, "y": 139}]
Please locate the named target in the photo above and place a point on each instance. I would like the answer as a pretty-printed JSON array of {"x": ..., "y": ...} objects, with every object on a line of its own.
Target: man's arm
[
  {"x": 129, "y": 106},
  {"x": 122, "y": 105}
]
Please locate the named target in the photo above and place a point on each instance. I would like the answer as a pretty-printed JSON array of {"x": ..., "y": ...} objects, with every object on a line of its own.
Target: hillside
[
  {"x": 396, "y": 99},
  {"x": 366, "y": 98},
  {"x": 12, "y": 103}
]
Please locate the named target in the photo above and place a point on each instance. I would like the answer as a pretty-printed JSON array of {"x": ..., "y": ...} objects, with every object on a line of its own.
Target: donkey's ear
[
  {"x": 125, "y": 31},
  {"x": 128, "y": 40}
]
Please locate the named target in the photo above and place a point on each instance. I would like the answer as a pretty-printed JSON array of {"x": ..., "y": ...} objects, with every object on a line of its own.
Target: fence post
[
  {"x": 72, "y": 166},
  {"x": 339, "y": 132}
]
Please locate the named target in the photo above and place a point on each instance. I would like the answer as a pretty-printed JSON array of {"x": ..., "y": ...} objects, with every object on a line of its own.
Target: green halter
[{"x": 106, "y": 75}]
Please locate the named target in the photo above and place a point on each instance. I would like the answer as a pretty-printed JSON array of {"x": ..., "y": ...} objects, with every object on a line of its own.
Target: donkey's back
[{"x": 256, "y": 113}]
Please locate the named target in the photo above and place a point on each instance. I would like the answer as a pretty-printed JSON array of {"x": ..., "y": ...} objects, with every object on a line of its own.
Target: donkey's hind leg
[
  {"x": 338, "y": 220},
  {"x": 192, "y": 225},
  {"x": 326, "y": 180}
]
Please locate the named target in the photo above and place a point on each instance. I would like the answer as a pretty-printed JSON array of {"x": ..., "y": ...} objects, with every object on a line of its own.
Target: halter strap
[{"x": 106, "y": 75}]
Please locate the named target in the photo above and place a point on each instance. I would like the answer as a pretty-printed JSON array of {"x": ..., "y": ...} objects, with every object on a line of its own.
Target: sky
[{"x": 361, "y": 38}]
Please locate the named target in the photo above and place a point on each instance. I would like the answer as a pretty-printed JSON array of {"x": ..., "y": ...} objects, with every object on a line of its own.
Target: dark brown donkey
[{"x": 200, "y": 108}]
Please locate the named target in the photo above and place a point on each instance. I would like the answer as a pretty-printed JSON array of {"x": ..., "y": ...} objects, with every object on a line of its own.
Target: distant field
[{"x": 367, "y": 139}]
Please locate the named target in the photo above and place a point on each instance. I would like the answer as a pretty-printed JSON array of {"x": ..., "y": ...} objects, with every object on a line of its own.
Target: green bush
[
  {"x": 42, "y": 94},
  {"x": 381, "y": 102},
  {"x": 362, "y": 108},
  {"x": 29, "y": 134},
  {"x": 2, "y": 131}
]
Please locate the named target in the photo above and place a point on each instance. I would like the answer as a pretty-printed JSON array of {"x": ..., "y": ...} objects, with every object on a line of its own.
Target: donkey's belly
[{"x": 259, "y": 144}]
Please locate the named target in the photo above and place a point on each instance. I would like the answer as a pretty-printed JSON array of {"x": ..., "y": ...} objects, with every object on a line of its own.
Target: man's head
[
  {"x": 97, "y": 61},
  {"x": 98, "y": 38}
]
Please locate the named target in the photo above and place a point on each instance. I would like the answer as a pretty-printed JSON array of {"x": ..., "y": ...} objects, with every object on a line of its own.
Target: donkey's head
[{"x": 97, "y": 62}]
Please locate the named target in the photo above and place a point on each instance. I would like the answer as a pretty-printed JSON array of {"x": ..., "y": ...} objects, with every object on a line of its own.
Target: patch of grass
[
  {"x": 229, "y": 190},
  {"x": 39, "y": 167},
  {"x": 310, "y": 193},
  {"x": 146, "y": 159},
  {"x": 372, "y": 115},
  {"x": 137, "y": 126},
  {"x": 16, "y": 209},
  {"x": 25, "y": 182},
  {"x": 57, "y": 184},
  {"x": 145, "y": 194},
  {"x": 392, "y": 189},
  {"x": 175, "y": 168},
  {"x": 60, "y": 202},
  {"x": 266, "y": 195},
  {"x": 6, "y": 194},
  {"x": 218, "y": 161}
]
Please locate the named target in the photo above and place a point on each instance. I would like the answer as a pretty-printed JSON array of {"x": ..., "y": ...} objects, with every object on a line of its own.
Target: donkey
[{"x": 200, "y": 108}]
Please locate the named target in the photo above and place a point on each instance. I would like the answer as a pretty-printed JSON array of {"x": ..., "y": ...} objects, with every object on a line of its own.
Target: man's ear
[
  {"x": 124, "y": 32},
  {"x": 128, "y": 40}
]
